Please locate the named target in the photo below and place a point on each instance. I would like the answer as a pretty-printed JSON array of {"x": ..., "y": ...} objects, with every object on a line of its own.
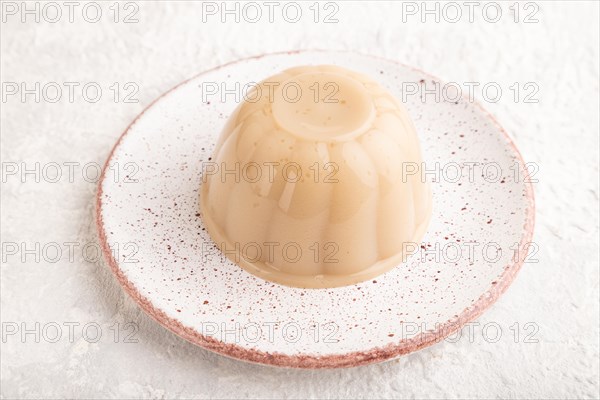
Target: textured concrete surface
[{"x": 549, "y": 318}]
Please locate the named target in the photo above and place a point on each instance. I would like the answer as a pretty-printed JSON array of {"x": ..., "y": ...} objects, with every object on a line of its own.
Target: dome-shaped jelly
[{"x": 312, "y": 181}]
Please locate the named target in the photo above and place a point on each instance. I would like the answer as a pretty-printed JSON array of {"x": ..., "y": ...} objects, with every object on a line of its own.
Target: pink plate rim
[{"x": 308, "y": 361}]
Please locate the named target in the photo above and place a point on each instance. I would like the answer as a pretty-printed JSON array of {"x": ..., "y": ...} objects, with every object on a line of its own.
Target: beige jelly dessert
[{"x": 306, "y": 185}]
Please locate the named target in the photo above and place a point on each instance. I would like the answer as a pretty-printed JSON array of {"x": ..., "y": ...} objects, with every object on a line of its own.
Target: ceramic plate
[{"x": 155, "y": 242}]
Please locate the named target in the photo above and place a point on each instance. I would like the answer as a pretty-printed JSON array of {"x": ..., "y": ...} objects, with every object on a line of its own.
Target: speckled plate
[{"x": 167, "y": 262}]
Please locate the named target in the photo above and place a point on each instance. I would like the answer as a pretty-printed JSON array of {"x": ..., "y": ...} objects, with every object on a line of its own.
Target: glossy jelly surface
[{"x": 310, "y": 183}]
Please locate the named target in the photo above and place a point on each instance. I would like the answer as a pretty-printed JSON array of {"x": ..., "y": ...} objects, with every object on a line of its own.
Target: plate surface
[{"x": 154, "y": 240}]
